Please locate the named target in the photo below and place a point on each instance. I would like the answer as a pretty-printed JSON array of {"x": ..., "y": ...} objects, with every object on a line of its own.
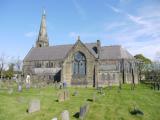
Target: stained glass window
[{"x": 79, "y": 64}]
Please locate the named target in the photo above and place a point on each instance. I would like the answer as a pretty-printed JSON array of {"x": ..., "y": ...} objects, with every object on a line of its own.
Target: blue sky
[{"x": 134, "y": 24}]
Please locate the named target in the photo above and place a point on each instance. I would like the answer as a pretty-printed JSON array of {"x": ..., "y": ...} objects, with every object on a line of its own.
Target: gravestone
[
  {"x": 10, "y": 91},
  {"x": 75, "y": 93},
  {"x": 63, "y": 95},
  {"x": 66, "y": 95},
  {"x": 94, "y": 97},
  {"x": 54, "y": 118},
  {"x": 64, "y": 84},
  {"x": 100, "y": 91},
  {"x": 34, "y": 106},
  {"x": 83, "y": 111},
  {"x": 65, "y": 115},
  {"x": 19, "y": 88},
  {"x": 0, "y": 83},
  {"x": 20, "y": 99}
]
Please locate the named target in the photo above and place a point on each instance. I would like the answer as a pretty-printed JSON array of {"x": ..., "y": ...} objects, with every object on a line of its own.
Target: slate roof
[
  {"x": 59, "y": 52},
  {"x": 114, "y": 52}
]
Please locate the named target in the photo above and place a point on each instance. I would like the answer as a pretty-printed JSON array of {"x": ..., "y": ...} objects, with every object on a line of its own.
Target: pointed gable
[{"x": 80, "y": 46}]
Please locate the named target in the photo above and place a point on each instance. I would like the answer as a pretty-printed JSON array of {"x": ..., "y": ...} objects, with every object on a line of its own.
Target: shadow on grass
[
  {"x": 76, "y": 115},
  {"x": 90, "y": 100},
  {"x": 136, "y": 112},
  {"x": 27, "y": 110}
]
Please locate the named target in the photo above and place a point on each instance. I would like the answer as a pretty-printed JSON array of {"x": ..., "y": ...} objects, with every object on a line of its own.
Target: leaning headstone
[
  {"x": 83, "y": 111},
  {"x": 65, "y": 115},
  {"x": 34, "y": 106}
]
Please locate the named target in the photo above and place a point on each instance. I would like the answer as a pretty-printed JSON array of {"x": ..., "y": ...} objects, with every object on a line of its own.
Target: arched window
[
  {"x": 79, "y": 64},
  {"x": 95, "y": 49}
]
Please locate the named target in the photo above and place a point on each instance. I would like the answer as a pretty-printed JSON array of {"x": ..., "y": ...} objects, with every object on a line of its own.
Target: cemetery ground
[{"x": 114, "y": 105}]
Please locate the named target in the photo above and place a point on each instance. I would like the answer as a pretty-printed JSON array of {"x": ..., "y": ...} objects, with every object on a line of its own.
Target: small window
[
  {"x": 95, "y": 49},
  {"x": 40, "y": 45},
  {"x": 49, "y": 64},
  {"x": 114, "y": 77},
  {"x": 38, "y": 64}
]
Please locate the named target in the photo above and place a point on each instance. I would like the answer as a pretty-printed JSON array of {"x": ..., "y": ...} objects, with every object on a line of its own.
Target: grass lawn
[{"x": 113, "y": 106}]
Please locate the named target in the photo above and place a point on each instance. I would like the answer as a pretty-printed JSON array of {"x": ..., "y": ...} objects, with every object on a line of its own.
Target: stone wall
[{"x": 68, "y": 65}]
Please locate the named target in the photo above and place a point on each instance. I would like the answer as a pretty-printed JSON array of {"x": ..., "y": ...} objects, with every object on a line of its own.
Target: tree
[
  {"x": 2, "y": 63},
  {"x": 143, "y": 63},
  {"x": 158, "y": 56},
  {"x": 10, "y": 72},
  {"x": 18, "y": 64},
  {"x": 143, "y": 59}
]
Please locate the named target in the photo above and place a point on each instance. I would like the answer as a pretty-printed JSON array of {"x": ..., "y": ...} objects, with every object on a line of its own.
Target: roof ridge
[{"x": 112, "y": 46}]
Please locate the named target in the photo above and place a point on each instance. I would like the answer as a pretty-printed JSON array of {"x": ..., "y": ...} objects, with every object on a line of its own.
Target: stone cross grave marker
[
  {"x": 34, "y": 106},
  {"x": 65, "y": 115}
]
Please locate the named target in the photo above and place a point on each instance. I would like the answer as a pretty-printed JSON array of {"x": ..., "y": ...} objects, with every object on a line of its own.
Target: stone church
[{"x": 79, "y": 63}]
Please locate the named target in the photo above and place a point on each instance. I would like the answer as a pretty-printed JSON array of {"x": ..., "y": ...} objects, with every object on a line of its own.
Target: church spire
[{"x": 42, "y": 40}]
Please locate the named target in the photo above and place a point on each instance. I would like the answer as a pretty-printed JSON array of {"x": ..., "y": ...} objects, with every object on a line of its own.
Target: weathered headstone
[
  {"x": 64, "y": 84},
  {"x": 20, "y": 99},
  {"x": 54, "y": 118},
  {"x": 19, "y": 88},
  {"x": 83, "y": 111},
  {"x": 10, "y": 90},
  {"x": 34, "y": 106},
  {"x": 63, "y": 95},
  {"x": 66, "y": 95},
  {"x": 94, "y": 97},
  {"x": 100, "y": 91},
  {"x": 75, "y": 93},
  {"x": 65, "y": 115}
]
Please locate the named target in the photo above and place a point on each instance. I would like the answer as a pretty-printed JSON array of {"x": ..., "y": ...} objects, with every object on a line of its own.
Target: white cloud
[
  {"x": 114, "y": 25},
  {"x": 114, "y": 8},
  {"x": 141, "y": 32},
  {"x": 30, "y": 34},
  {"x": 79, "y": 9}
]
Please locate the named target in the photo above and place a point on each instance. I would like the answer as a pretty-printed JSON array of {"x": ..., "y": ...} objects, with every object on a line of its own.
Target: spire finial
[
  {"x": 78, "y": 37},
  {"x": 44, "y": 11},
  {"x": 42, "y": 40}
]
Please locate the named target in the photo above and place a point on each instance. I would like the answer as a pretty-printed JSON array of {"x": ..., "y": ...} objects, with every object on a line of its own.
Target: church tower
[{"x": 42, "y": 40}]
